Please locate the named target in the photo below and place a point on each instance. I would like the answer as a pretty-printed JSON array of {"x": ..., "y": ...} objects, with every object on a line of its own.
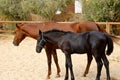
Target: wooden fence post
[{"x": 108, "y": 27}]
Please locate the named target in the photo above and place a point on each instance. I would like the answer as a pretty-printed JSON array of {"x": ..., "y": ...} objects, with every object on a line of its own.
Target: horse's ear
[
  {"x": 40, "y": 32},
  {"x": 19, "y": 24}
]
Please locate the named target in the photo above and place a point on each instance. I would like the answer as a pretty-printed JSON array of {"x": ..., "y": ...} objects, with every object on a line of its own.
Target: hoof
[
  {"x": 58, "y": 75},
  {"x": 84, "y": 75},
  {"x": 48, "y": 77}
]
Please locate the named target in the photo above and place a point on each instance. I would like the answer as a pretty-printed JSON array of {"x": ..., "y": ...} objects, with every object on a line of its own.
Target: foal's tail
[
  {"x": 110, "y": 45},
  {"x": 114, "y": 38}
]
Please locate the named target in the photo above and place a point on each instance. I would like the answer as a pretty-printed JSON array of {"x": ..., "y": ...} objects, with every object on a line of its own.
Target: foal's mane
[{"x": 57, "y": 32}]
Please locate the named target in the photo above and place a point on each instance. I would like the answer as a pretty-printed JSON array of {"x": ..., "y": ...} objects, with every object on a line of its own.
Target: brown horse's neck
[
  {"x": 32, "y": 29},
  {"x": 31, "y": 32}
]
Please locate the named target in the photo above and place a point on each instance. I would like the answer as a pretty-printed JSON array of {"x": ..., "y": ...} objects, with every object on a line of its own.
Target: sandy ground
[{"x": 23, "y": 63}]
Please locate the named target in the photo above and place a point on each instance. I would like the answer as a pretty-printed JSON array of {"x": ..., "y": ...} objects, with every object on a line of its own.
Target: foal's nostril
[
  {"x": 38, "y": 50},
  {"x": 15, "y": 43}
]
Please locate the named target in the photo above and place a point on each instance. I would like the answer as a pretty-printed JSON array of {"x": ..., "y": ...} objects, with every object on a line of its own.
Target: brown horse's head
[{"x": 19, "y": 35}]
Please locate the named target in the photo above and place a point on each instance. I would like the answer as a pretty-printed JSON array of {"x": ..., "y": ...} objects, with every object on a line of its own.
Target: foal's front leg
[
  {"x": 56, "y": 62},
  {"x": 69, "y": 66}
]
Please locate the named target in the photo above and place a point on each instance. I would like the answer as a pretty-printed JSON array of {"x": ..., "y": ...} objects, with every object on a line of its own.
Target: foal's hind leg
[
  {"x": 99, "y": 66},
  {"x": 106, "y": 63},
  {"x": 56, "y": 62},
  {"x": 68, "y": 64},
  {"x": 89, "y": 60}
]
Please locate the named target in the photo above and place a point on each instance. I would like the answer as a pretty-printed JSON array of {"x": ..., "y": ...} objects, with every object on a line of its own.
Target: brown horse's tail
[
  {"x": 101, "y": 29},
  {"x": 114, "y": 38}
]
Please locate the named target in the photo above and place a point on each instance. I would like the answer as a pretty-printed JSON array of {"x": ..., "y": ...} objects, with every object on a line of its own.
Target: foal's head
[
  {"x": 41, "y": 41},
  {"x": 50, "y": 36}
]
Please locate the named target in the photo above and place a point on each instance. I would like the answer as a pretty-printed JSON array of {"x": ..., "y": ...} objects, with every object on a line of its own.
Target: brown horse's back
[
  {"x": 56, "y": 25},
  {"x": 84, "y": 26}
]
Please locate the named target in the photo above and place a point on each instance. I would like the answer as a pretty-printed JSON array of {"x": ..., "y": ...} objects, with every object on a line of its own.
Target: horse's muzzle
[
  {"x": 38, "y": 49},
  {"x": 15, "y": 43}
]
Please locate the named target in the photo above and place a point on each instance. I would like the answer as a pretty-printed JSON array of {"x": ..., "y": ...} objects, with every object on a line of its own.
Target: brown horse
[{"x": 32, "y": 30}]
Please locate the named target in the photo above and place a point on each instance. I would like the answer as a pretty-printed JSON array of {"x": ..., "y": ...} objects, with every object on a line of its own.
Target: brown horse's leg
[
  {"x": 89, "y": 60},
  {"x": 49, "y": 60},
  {"x": 56, "y": 62}
]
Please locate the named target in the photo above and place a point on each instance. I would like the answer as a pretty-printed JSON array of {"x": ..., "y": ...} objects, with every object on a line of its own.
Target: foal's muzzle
[
  {"x": 38, "y": 49},
  {"x": 40, "y": 45}
]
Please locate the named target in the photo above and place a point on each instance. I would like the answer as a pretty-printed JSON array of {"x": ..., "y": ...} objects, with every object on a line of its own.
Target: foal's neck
[{"x": 54, "y": 38}]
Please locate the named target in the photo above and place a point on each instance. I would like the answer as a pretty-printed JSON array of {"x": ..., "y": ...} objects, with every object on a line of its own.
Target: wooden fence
[{"x": 108, "y": 24}]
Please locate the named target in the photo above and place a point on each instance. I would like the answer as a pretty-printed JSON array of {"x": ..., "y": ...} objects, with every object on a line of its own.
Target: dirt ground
[{"x": 23, "y": 63}]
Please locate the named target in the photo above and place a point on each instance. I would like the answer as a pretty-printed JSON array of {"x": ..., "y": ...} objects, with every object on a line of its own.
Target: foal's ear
[{"x": 40, "y": 32}]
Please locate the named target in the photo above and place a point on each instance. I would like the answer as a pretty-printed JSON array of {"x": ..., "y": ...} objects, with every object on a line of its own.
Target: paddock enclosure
[{"x": 23, "y": 63}]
